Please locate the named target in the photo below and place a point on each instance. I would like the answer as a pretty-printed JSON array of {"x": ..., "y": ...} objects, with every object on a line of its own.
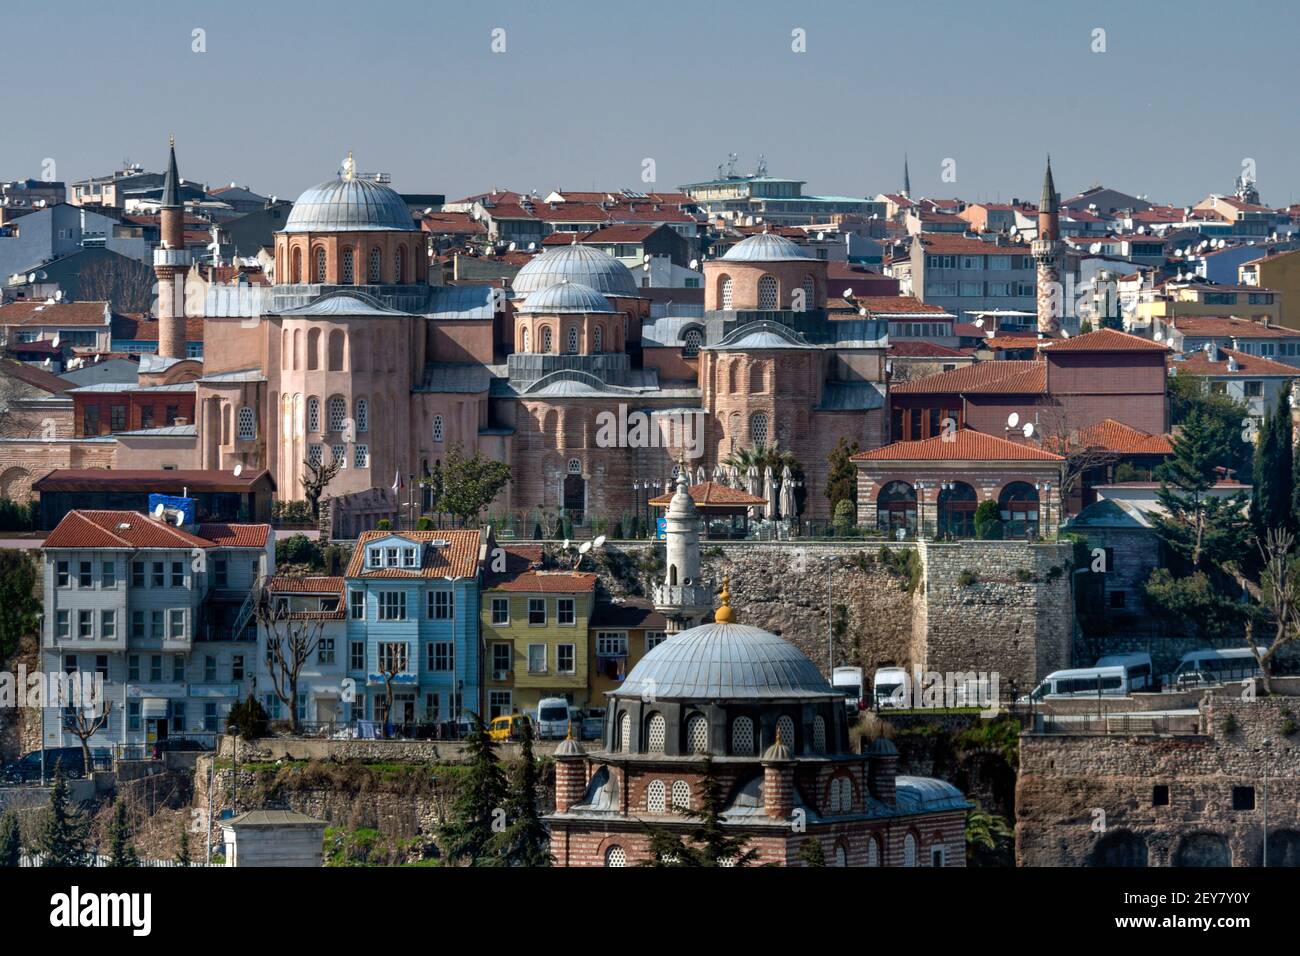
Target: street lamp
[
  {"x": 920, "y": 508},
  {"x": 1268, "y": 742}
]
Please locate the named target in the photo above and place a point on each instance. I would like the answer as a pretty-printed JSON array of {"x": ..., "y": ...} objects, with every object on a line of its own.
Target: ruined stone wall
[{"x": 1092, "y": 799}]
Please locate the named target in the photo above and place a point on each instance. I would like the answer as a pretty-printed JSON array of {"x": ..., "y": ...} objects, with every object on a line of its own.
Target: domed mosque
[{"x": 754, "y": 710}]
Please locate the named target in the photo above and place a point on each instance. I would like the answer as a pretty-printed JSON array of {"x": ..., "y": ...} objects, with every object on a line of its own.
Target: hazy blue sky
[{"x": 588, "y": 88}]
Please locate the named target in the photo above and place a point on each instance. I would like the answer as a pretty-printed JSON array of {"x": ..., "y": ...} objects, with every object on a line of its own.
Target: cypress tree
[
  {"x": 120, "y": 850},
  {"x": 468, "y": 835},
  {"x": 707, "y": 843},
  {"x": 1205, "y": 530},
  {"x": 182, "y": 857},
  {"x": 525, "y": 841},
  {"x": 11, "y": 845},
  {"x": 62, "y": 840},
  {"x": 1272, "y": 493}
]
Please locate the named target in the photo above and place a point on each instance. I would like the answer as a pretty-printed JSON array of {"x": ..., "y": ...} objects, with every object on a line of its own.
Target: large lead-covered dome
[
  {"x": 349, "y": 204},
  {"x": 765, "y": 247},
  {"x": 725, "y": 662},
  {"x": 573, "y": 263}
]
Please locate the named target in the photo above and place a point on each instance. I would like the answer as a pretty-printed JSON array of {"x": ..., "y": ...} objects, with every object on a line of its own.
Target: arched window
[
  {"x": 873, "y": 852},
  {"x": 338, "y": 413},
  {"x": 374, "y": 274},
  {"x": 320, "y": 264},
  {"x": 724, "y": 294},
  {"x": 546, "y": 340},
  {"x": 247, "y": 424},
  {"x": 297, "y": 265},
  {"x": 938, "y": 854},
  {"x": 598, "y": 340},
  {"x": 573, "y": 340},
  {"x": 909, "y": 850},
  {"x": 656, "y": 797},
  {"x": 335, "y": 346},
  {"x": 313, "y": 349},
  {"x": 785, "y": 731},
  {"x": 313, "y": 415},
  {"x": 523, "y": 340},
  {"x": 833, "y": 796},
  {"x": 656, "y": 732},
  {"x": 363, "y": 415},
  {"x": 349, "y": 266},
  {"x": 767, "y": 293},
  {"x": 437, "y": 428},
  {"x": 742, "y": 737},
  {"x": 1018, "y": 508},
  {"x": 896, "y": 507},
  {"x": 819, "y": 734},
  {"x": 758, "y": 428},
  {"x": 697, "y": 734},
  {"x": 625, "y": 732},
  {"x": 681, "y": 795},
  {"x": 399, "y": 265},
  {"x": 841, "y": 857},
  {"x": 691, "y": 343},
  {"x": 758, "y": 377},
  {"x": 809, "y": 287},
  {"x": 573, "y": 466},
  {"x": 615, "y": 856},
  {"x": 957, "y": 503}
]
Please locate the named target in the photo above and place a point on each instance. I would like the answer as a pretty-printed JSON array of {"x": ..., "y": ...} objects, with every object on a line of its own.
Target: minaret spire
[
  {"x": 907, "y": 180},
  {"x": 171, "y": 261},
  {"x": 1047, "y": 252}
]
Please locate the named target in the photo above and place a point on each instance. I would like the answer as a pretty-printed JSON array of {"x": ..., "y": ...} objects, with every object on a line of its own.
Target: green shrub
[
  {"x": 384, "y": 525},
  {"x": 425, "y": 523},
  {"x": 988, "y": 522},
  {"x": 967, "y": 578},
  {"x": 15, "y": 516},
  {"x": 248, "y": 719},
  {"x": 846, "y": 516}
]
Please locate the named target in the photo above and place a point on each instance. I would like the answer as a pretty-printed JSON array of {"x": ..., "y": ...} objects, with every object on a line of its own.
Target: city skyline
[{"x": 527, "y": 120}]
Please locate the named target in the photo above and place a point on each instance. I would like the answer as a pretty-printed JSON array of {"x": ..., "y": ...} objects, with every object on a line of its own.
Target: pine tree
[
  {"x": 812, "y": 853},
  {"x": 525, "y": 841},
  {"x": 467, "y": 836},
  {"x": 11, "y": 844},
  {"x": 842, "y": 475},
  {"x": 120, "y": 850},
  {"x": 707, "y": 843},
  {"x": 1272, "y": 491},
  {"x": 182, "y": 857},
  {"x": 62, "y": 840}
]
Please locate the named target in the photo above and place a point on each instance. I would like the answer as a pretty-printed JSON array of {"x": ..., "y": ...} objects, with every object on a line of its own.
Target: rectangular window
[
  {"x": 441, "y": 656},
  {"x": 178, "y": 668},
  {"x": 133, "y": 715},
  {"x": 392, "y": 657},
  {"x": 177, "y": 708},
  {"x": 1160, "y": 795},
  {"x": 210, "y": 717},
  {"x": 220, "y": 573},
  {"x": 361, "y": 459},
  {"x": 85, "y": 624},
  {"x": 159, "y": 577},
  {"x": 156, "y": 625},
  {"x": 502, "y": 655},
  {"x": 237, "y": 667},
  {"x": 101, "y": 665},
  {"x": 375, "y": 558},
  {"x": 537, "y": 658},
  {"x": 62, "y": 624},
  {"x": 408, "y": 558},
  {"x": 137, "y": 625},
  {"x": 441, "y": 605},
  {"x": 146, "y": 416},
  {"x": 85, "y": 578},
  {"x": 137, "y": 574},
  {"x": 133, "y": 667},
  {"x": 210, "y": 669},
  {"x": 178, "y": 574},
  {"x": 176, "y": 621},
  {"x": 390, "y": 557},
  {"x": 566, "y": 658},
  {"x": 117, "y": 418},
  {"x": 61, "y": 570},
  {"x": 90, "y": 420},
  {"x": 392, "y": 605},
  {"x": 500, "y": 611},
  {"x": 108, "y": 574},
  {"x": 611, "y": 644},
  {"x": 653, "y": 639},
  {"x": 155, "y": 669},
  {"x": 357, "y": 605},
  {"x": 536, "y": 610},
  {"x": 1243, "y": 798},
  {"x": 357, "y": 655},
  {"x": 325, "y": 651},
  {"x": 108, "y": 625},
  {"x": 564, "y": 611}
]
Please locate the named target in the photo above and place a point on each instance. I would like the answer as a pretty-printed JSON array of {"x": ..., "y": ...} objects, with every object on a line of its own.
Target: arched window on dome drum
[
  {"x": 819, "y": 734},
  {"x": 615, "y": 856},
  {"x": 598, "y": 340},
  {"x": 437, "y": 428},
  {"x": 313, "y": 349},
  {"x": 375, "y": 266},
  {"x": 758, "y": 429},
  {"x": 681, "y": 795},
  {"x": 546, "y": 340},
  {"x": 758, "y": 378},
  {"x": 697, "y": 734},
  {"x": 873, "y": 852},
  {"x": 724, "y": 291},
  {"x": 297, "y": 266},
  {"x": 625, "y": 732},
  {"x": 399, "y": 264},
  {"x": 742, "y": 737},
  {"x": 809, "y": 292},
  {"x": 656, "y": 733},
  {"x": 785, "y": 731},
  {"x": 320, "y": 265},
  {"x": 656, "y": 797},
  {"x": 691, "y": 343},
  {"x": 334, "y": 344},
  {"x": 247, "y": 424},
  {"x": 767, "y": 293},
  {"x": 363, "y": 415},
  {"x": 841, "y": 857},
  {"x": 909, "y": 850},
  {"x": 523, "y": 339},
  {"x": 313, "y": 415},
  {"x": 349, "y": 266},
  {"x": 573, "y": 340}
]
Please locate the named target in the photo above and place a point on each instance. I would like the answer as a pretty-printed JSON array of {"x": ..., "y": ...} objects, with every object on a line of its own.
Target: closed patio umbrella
[
  {"x": 787, "y": 493},
  {"x": 769, "y": 508}
]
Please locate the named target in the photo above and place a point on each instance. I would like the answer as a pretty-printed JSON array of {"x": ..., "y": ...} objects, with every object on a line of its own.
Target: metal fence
[
  {"x": 1117, "y": 724},
  {"x": 100, "y": 861}
]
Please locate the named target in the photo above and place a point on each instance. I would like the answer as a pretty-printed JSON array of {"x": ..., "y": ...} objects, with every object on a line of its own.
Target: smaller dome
[
  {"x": 765, "y": 247},
  {"x": 567, "y": 297},
  {"x": 883, "y": 747},
  {"x": 569, "y": 748},
  {"x": 574, "y": 263},
  {"x": 777, "y": 753}
]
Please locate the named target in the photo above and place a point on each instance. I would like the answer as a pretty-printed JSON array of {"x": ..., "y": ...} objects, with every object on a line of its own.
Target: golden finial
[
  {"x": 349, "y": 167},
  {"x": 779, "y": 741},
  {"x": 724, "y": 614},
  {"x": 171, "y": 141},
  {"x": 569, "y": 735}
]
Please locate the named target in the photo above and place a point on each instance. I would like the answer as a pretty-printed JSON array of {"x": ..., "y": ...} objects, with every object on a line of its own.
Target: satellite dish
[
  {"x": 1028, "y": 429},
  {"x": 158, "y": 510},
  {"x": 180, "y": 518},
  {"x": 512, "y": 247},
  {"x": 1178, "y": 253},
  {"x": 821, "y": 236},
  {"x": 979, "y": 323},
  {"x": 58, "y": 295},
  {"x": 646, "y": 257},
  {"x": 1064, "y": 334},
  {"x": 1160, "y": 336},
  {"x": 584, "y": 547},
  {"x": 239, "y": 470},
  {"x": 1015, "y": 230},
  {"x": 1013, "y": 419},
  {"x": 695, "y": 263},
  {"x": 848, "y": 293},
  {"x": 566, "y": 544},
  {"x": 599, "y": 542},
  {"x": 55, "y": 341}
]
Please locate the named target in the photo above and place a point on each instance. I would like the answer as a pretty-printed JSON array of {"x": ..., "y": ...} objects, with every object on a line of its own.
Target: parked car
[
  {"x": 509, "y": 727},
  {"x": 593, "y": 728},
  {"x": 176, "y": 745},
  {"x": 28, "y": 767},
  {"x": 553, "y": 718}
]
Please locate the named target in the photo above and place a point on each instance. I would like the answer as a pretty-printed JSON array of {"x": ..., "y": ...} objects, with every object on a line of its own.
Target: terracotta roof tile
[
  {"x": 965, "y": 444},
  {"x": 227, "y": 535},
  {"x": 457, "y": 559},
  {"x": 1111, "y": 435},
  {"x": 119, "y": 529},
  {"x": 1198, "y": 363},
  {"x": 998, "y": 377},
  {"x": 913, "y": 347},
  {"x": 1227, "y": 326},
  {"x": 712, "y": 493},
  {"x": 28, "y": 313},
  {"x": 1105, "y": 340},
  {"x": 550, "y": 582},
  {"x": 899, "y": 305},
  {"x": 283, "y": 584}
]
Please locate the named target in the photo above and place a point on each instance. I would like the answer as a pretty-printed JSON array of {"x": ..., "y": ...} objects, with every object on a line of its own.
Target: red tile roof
[
  {"x": 119, "y": 529},
  {"x": 898, "y": 305},
  {"x": 943, "y": 243},
  {"x": 457, "y": 559},
  {"x": 711, "y": 493},
  {"x": 283, "y": 584},
  {"x": 965, "y": 444},
  {"x": 1227, "y": 326},
  {"x": 1110, "y": 435},
  {"x": 1198, "y": 363},
  {"x": 33, "y": 376},
  {"x": 550, "y": 582},
  {"x": 28, "y": 313},
  {"x": 227, "y": 535},
  {"x": 161, "y": 481},
  {"x": 146, "y": 329},
  {"x": 1104, "y": 340},
  {"x": 913, "y": 347},
  {"x": 995, "y": 378}
]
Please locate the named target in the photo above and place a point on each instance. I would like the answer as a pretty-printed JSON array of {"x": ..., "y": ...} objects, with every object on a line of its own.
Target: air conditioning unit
[{"x": 500, "y": 675}]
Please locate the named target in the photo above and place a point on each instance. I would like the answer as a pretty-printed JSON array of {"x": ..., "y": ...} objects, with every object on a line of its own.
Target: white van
[
  {"x": 1210, "y": 666},
  {"x": 552, "y": 718},
  {"x": 885, "y": 684},
  {"x": 1082, "y": 682},
  {"x": 1137, "y": 668},
  {"x": 848, "y": 681}
]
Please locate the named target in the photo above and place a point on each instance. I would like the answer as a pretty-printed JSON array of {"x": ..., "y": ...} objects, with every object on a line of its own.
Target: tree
[
  {"x": 1279, "y": 604},
  {"x": 11, "y": 842},
  {"x": 316, "y": 476},
  {"x": 525, "y": 841},
  {"x": 1223, "y": 415},
  {"x": 763, "y": 457},
  {"x": 62, "y": 837},
  {"x": 83, "y": 722},
  {"x": 19, "y": 608},
  {"x": 1272, "y": 491},
  {"x": 127, "y": 285},
  {"x": 842, "y": 476},
  {"x": 470, "y": 484},
  {"x": 248, "y": 719},
  {"x": 392, "y": 663},
  {"x": 182, "y": 857},
  {"x": 707, "y": 843},
  {"x": 290, "y": 643},
  {"x": 1061, "y": 437},
  {"x": 468, "y": 834},
  {"x": 811, "y": 852},
  {"x": 988, "y": 521},
  {"x": 845, "y": 516},
  {"x": 120, "y": 850},
  {"x": 988, "y": 839}
]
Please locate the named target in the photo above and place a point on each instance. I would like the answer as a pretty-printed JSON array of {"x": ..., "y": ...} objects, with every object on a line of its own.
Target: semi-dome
[
  {"x": 577, "y": 264},
  {"x": 765, "y": 247},
  {"x": 349, "y": 204},
  {"x": 725, "y": 661},
  {"x": 567, "y": 297}
]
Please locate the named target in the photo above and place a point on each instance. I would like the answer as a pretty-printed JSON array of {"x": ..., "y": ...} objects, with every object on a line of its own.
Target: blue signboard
[
  {"x": 185, "y": 506},
  {"x": 661, "y": 527}
]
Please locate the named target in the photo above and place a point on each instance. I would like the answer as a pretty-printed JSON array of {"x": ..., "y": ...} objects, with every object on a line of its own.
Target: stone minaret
[
  {"x": 1047, "y": 255},
  {"x": 171, "y": 261},
  {"x": 683, "y": 597},
  {"x": 907, "y": 180}
]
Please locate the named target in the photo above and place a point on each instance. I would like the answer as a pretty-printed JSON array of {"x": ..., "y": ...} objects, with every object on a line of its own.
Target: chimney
[{"x": 882, "y": 770}]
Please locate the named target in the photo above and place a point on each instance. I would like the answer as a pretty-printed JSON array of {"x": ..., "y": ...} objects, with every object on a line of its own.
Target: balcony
[{"x": 172, "y": 257}]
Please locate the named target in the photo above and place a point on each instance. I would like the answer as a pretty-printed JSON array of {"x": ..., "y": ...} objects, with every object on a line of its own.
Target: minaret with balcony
[
  {"x": 1046, "y": 249},
  {"x": 171, "y": 262},
  {"x": 683, "y": 597}
]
